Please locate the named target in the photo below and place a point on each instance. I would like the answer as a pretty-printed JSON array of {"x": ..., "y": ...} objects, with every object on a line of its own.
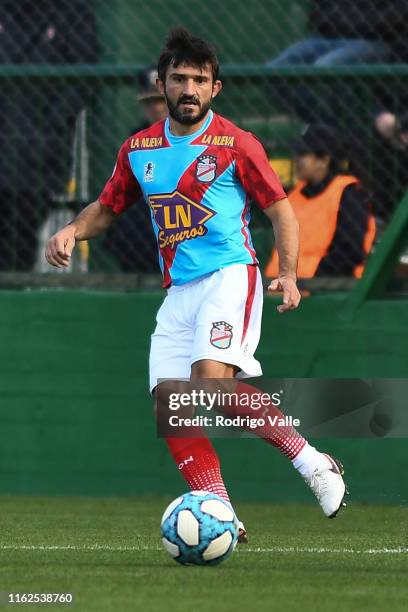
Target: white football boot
[{"x": 328, "y": 485}]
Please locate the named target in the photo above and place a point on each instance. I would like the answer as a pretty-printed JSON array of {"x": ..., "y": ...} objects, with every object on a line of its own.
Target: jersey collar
[{"x": 176, "y": 140}]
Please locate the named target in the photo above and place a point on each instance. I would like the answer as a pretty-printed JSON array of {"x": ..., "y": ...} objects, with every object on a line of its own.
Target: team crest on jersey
[
  {"x": 148, "y": 174},
  {"x": 206, "y": 168},
  {"x": 221, "y": 335}
]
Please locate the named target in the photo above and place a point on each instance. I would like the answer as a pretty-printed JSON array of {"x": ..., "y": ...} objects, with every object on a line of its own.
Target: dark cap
[
  {"x": 319, "y": 139},
  {"x": 148, "y": 89}
]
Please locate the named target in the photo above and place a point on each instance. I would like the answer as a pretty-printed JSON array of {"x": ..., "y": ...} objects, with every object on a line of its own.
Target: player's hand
[
  {"x": 59, "y": 248},
  {"x": 291, "y": 295}
]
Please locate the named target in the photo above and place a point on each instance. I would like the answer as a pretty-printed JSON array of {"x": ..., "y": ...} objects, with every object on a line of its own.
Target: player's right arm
[
  {"x": 90, "y": 222},
  {"x": 121, "y": 191}
]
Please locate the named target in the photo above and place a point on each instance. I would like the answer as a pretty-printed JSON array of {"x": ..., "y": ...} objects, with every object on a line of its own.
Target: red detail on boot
[{"x": 198, "y": 462}]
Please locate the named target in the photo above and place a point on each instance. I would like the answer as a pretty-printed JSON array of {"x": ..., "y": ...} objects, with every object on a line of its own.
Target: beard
[{"x": 186, "y": 118}]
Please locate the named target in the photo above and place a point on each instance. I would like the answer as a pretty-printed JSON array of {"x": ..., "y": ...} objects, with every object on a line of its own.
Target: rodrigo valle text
[{"x": 245, "y": 422}]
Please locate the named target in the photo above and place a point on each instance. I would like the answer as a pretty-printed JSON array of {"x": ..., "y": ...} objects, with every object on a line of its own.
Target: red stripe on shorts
[{"x": 252, "y": 276}]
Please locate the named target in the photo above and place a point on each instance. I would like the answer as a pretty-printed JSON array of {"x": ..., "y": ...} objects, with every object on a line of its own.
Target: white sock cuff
[{"x": 307, "y": 460}]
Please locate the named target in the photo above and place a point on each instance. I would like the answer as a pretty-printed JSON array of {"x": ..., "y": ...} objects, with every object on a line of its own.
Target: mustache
[{"x": 188, "y": 100}]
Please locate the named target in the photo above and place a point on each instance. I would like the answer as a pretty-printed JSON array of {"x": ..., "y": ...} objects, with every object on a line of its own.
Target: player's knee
[
  {"x": 160, "y": 405},
  {"x": 207, "y": 368},
  {"x": 167, "y": 394}
]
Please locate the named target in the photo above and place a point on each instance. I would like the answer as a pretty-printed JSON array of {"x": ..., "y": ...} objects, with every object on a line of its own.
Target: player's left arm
[
  {"x": 263, "y": 185},
  {"x": 286, "y": 230}
]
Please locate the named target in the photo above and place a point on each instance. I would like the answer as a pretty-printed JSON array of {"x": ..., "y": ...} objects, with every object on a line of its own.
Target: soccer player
[{"x": 198, "y": 172}]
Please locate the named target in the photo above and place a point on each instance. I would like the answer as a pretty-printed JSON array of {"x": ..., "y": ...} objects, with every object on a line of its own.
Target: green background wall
[{"x": 76, "y": 417}]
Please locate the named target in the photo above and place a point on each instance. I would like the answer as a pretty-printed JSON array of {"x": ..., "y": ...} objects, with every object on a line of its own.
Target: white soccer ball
[{"x": 199, "y": 528}]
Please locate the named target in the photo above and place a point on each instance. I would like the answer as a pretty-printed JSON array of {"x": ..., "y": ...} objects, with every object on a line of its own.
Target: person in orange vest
[{"x": 337, "y": 228}]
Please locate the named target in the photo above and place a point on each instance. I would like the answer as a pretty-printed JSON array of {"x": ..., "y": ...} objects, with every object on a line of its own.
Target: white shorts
[{"x": 217, "y": 317}]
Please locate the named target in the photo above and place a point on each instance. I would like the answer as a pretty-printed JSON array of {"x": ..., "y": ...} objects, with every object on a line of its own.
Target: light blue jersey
[{"x": 199, "y": 189}]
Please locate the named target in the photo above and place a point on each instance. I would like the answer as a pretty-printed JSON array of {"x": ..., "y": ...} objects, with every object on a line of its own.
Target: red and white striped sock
[
  {"x": 284, "y": 437},
  {"x": 198, "y": 462}
]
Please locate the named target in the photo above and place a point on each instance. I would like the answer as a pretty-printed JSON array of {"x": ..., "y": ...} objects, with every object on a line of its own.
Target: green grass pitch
[{"x": 108, "y": 553}]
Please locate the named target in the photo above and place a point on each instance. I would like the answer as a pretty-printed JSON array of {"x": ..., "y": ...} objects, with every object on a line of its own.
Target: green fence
[
  {"x": 76, "y": 416},
  {"x": 71, "y": 72}
]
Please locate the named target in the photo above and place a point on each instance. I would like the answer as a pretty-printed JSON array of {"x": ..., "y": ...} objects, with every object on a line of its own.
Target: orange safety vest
[{"x": 317, "y": 217}]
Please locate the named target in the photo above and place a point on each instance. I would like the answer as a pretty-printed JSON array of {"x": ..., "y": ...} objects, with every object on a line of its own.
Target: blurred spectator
[
  {"x": 152, "y": 101},
  {"x": 389, "y": 163},
  {"x": 344, "y": 33},
  {"x": 336, "y": 227},
  {"x": 352, "y": 32},
  {"x": 131, "y": 239},
  {"x": 385, "y": 124},
  {"x": 37, "y": 119}
]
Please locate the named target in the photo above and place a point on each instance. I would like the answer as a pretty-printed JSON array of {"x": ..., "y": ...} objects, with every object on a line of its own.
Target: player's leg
[
  {"x": 208, "y": 369},
  {"x": 228, "y": 330},
  {"x": 170, "y": 359},
  {"x": 319, "y": 470}
]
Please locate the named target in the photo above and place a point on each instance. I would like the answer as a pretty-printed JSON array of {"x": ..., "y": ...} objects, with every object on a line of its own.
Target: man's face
[
  {"x": 189, "y": 91},
  {"x": 155, "y": 109},
  {"x": 310, "y": 168}
]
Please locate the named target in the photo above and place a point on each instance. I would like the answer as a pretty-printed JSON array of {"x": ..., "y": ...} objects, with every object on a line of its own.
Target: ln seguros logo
[{"x": 178, "y": 218}]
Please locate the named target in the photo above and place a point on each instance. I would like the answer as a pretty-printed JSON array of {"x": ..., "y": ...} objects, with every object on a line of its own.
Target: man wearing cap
[
  {"x": 120, "y": 238},
  {"x": 153, "y": 102},
  {"x": 336, "y": 226}
]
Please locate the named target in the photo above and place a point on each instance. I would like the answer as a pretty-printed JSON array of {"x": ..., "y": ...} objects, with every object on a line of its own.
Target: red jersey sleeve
[
  {"x": 122, "y": 189},
  {"x": 256, "y": 174}
]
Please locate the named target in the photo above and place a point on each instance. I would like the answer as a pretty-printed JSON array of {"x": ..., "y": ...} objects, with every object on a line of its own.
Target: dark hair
[
  {"x": 321, "y": 140},
  {"x": 182, "y": 47}
]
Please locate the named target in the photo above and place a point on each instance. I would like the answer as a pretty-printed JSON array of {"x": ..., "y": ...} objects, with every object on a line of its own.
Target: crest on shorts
[
  {"x": 221, "y": 335},
  {"x": 206, "y": 168}
]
